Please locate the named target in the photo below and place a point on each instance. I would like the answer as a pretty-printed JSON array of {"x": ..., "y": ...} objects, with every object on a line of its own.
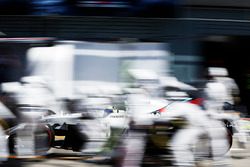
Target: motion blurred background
[
  {"x": 197, "y": 34},
  {"x": 95, "y": 40}
]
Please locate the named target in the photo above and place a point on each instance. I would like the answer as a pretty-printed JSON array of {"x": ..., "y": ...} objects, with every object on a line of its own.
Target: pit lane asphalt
[{"x": 65, "y": 158}]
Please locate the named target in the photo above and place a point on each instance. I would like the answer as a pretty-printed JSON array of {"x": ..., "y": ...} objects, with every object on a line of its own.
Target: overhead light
[
  {"x": 2, "y": 34},
  {"x": 218, "y": 38}
]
